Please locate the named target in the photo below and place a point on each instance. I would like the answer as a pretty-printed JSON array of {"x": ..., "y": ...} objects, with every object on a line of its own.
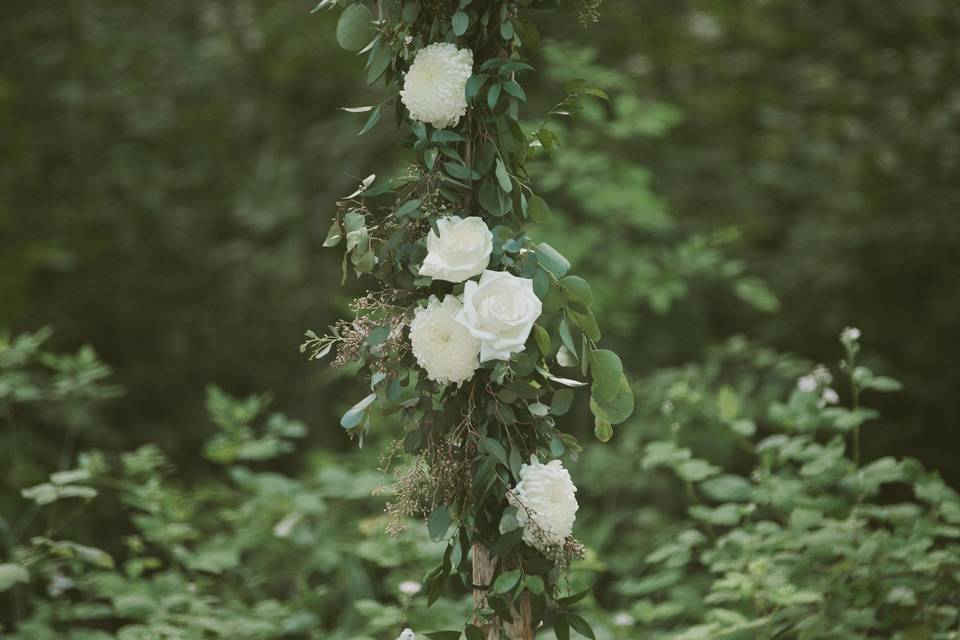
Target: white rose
[
  {"x": 441, "y": 345},
  {"x": 461, "y": 251},
  {"x": 499, "y": 311},
  {"x": 435, "y": 88}
]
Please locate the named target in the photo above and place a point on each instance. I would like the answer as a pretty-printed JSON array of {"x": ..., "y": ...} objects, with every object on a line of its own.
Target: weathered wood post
[{"x": 484, "y": 570}]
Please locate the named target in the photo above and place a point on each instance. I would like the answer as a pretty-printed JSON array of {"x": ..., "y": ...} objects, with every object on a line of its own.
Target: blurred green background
[{"x": 772, "y": 169}]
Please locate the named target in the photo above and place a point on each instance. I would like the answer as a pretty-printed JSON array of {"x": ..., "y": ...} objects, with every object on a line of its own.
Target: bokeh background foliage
[{"x": 771, "y": 169}]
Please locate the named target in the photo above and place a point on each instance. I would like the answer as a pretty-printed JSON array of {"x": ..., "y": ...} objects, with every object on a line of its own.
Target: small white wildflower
[
  {"x": 434, "y": 89},
  {"x": 442, "y": 346},
  {"x": 807, "y": 384},
  {"x": 822, "y": 375},
  {"x": 407, "y": 635},
  {"x": 829, "y": 396},
  {"x": 850, "y": 334},
  {"x": 59, "y": 584},
  {"x": 623, "y": 619},
  {"x": 410, "y": 587},
  {"x": 546, "y": 503},
  {"x": 283, "y": 528},
  {"x": 408, "y": 40}
]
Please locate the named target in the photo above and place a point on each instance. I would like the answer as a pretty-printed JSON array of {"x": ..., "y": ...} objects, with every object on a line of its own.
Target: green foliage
[
  {"x": 157, "y": 201},
  {"x": 250, "y": 553},
  {"x": 473, "y": 439},
  {"x": 783, "y": 532}
]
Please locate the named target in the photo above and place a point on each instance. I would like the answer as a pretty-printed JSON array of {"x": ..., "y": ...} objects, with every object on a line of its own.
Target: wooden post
[{"x": 484, "y": 569}]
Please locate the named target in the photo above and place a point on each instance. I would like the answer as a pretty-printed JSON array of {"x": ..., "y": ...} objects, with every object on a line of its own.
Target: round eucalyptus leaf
[{"x": 355, "y": 27}]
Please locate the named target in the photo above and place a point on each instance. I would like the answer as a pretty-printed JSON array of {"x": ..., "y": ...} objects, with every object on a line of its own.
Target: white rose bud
[
  {"x": 461, "y": 251},
  {"x": 435, "y": 88},
  {"x": 499, "y": 311}
]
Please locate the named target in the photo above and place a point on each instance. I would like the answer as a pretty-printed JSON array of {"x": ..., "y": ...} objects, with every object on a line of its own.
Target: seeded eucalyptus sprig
[{"x": 470, "y": 441}]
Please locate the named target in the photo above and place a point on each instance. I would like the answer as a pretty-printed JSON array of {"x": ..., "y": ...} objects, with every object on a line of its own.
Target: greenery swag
[{"x": 471, "y": 424}]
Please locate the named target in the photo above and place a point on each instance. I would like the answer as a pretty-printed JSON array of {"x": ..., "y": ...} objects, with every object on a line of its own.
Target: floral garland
[{"x": 472, "y": 320}]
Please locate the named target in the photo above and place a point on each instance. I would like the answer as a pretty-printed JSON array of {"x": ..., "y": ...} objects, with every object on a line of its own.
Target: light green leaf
[
  {"x": 602, "y": 429},
  {"x": 355, "y": 27},
  {"x": 353, "y": 417},
  {"x": 460, "y": 22},
  {"x": 503, "y": 177},
  {"x": 551, "y": 260},
  {"x": 576, "y": 288},
  {"x": 607, "y": 369},
  {"x": 539, "y": 210},
  {"x": 616, "y": 410},
  {"x": 11, "y": 574},
  {"x": 506, "y": 581}
]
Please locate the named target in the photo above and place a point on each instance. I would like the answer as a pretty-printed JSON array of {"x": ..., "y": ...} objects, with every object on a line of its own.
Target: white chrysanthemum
[
  {"x": 546, "y": 503},
  {"x": 434, "y": 90},
  {"x": 441, "y": 345}
]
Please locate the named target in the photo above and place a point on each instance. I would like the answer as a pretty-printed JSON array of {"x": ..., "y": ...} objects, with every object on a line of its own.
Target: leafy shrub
[
  {"x": 785, "y": 533},
  {"x": 250, "y": 553}
]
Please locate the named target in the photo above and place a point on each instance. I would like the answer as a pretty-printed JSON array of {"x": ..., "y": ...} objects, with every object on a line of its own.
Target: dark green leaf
[
  {"x": 562, "y": 399},
  {"x": 474, "y": 84},
  {"x": 371, "y": 121},
  {"x": 411, "y": 10},
  {"x": 497, "y": 451},
  {"x": 493, "y": 95},
  {"x": 580, "y": 625},
  {"x": 439, "y": 522},
  {"x": 474, "y": 632},
  {"x": 539, "y": 210}
]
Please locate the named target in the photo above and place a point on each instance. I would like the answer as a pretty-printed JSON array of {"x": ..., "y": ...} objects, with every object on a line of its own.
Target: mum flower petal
[
  {"x": 546, "y": 503},
  {"x": 434, "y": 89},
  {"x": 441, "y": 345}
]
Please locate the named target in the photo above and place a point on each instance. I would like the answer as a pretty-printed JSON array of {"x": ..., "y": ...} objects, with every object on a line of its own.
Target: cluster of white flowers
[
  {"x": 819, "y": 380},
  {"x": 546, "y": 503},
  {"x": 451, "y": 338},
  {"x": 442, "y": 346},
  {"x": 495, "y": 318},
  {"x": 460, "y": 251},
  {"x": 434, "y": 89},
  {"x": 407, "y": 634}
]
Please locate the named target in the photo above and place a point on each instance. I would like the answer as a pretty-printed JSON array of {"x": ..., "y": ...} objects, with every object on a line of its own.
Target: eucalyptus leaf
[{"x": 355, "y": 27}]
